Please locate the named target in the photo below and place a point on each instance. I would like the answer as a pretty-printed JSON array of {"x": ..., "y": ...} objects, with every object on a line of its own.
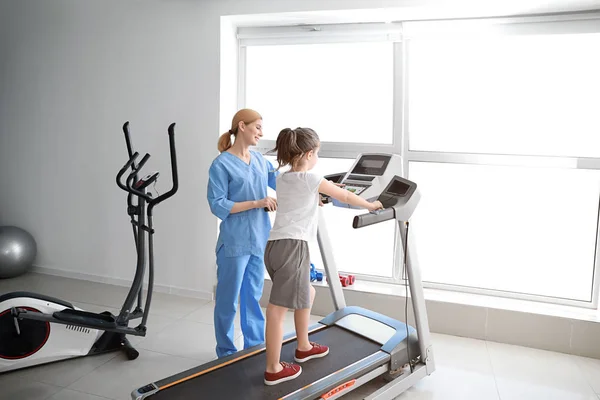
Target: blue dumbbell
[{"x": 314, "y": 275}]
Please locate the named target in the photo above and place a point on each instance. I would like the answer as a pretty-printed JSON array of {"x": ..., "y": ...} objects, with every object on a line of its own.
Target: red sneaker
[
  {"x": 289, "y": 372},
  {"x": 317, "y": 351}
]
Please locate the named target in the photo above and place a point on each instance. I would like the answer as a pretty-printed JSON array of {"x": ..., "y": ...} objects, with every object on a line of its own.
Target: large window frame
[{"x": 401, "y": 34}]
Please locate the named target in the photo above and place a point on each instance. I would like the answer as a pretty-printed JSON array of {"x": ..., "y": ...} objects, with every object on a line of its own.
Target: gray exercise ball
[{"x": 17, "y": 251}]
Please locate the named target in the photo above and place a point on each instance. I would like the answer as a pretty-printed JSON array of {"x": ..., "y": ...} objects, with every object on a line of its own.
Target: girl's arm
[{"x": 345, "y": 196}]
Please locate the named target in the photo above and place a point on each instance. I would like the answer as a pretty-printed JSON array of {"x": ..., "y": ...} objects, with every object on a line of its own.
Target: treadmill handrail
[{"x": 373, "y": 217}]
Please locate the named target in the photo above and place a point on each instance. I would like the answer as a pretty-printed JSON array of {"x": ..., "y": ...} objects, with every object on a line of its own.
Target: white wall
[
  {"x": 76, "y": 71},
  {"x": 72, "y": 72}
]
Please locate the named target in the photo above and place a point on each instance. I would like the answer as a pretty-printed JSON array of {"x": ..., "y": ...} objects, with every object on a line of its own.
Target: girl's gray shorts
[{"x": 288, "y": 264}]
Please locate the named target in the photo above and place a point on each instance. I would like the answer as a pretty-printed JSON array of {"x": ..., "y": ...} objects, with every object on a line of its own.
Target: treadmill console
[
  {"x": 376, "y": 176},
  {"x": 397, "y": 192},
  {"x": 368, "y": 176},
  {"x": 399, "y": 199}
]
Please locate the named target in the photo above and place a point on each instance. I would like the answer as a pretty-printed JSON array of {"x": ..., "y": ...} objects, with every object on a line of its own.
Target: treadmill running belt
[{"x": 244, "y": 379}]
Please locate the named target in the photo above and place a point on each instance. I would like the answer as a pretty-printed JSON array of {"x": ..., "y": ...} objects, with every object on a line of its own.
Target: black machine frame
[{"x": 140, "y": 207}]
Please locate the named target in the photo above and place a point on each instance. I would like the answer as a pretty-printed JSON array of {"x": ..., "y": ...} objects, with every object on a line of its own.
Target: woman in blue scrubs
[{"x": 237, "y": 195}]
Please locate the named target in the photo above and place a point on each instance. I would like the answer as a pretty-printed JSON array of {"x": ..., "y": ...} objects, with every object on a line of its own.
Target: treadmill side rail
[
  {"x": 348, "y": 386},
  {"x": 374, "y": 362}
]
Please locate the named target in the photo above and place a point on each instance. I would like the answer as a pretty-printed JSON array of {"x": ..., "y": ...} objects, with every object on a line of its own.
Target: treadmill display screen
[
  {"x": 371, "y": 165},
  {"x": 398, "y": 188}
]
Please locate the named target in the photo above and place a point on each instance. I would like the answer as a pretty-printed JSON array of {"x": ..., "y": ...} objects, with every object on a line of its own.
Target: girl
[
  {"x": 237, "y": 195},
  {"x": 286, "y": 254}
]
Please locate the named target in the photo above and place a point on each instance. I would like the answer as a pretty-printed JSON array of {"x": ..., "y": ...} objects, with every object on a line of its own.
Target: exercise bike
[{"x": 38, "y": 329}]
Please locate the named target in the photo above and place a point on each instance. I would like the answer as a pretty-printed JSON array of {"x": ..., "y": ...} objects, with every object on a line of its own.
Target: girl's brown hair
[
  {"x": 292, "y": 144},
  {"x": 245, "y": 115}
]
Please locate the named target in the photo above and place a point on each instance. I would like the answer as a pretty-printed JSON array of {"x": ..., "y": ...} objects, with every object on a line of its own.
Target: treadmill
[{"x": 363, "y": 344}]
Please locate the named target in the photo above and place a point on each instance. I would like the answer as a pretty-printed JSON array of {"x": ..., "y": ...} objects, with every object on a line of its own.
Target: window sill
[{"x": 476, "y": 300}]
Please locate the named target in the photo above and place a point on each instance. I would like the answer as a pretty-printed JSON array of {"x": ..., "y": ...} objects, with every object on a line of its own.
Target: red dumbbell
[
  {"x": 344, "y": 281},
  {"x": 350, "y": 278}
]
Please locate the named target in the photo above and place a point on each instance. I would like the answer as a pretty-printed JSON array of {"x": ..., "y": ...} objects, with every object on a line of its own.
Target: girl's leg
[
  {"x": 230, "y": 272},
  {"x": 251, "y": 315},
  {"x": 280, "y": 265},
  {"x": 301, "y": 320},
  {"x": 306, "y": 350},
  {"x": 274, "y": 336}
]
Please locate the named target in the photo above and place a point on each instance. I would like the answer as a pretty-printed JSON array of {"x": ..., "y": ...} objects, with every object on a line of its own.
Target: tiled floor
[{"x": 180, "y": 336}]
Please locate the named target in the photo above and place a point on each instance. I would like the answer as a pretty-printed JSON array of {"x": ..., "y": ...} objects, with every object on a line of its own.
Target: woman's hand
[{"x": 268, "y": 203}]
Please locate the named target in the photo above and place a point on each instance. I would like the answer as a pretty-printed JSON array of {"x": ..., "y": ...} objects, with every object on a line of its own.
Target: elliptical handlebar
[
  {"x": 130, "y": 154},
  {"x": 127, "y": 187},
  {"x": 133, "y": 178},
  {"x": 121, "y": 172},
  {"x": 135, "y": 169},
  {"x": 174, "y": 173},
  {"x": 128, "y": 139}
]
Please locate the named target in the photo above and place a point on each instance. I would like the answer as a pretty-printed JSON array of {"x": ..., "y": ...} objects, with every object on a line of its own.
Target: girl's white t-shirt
[{"x": 297, "y": 206}]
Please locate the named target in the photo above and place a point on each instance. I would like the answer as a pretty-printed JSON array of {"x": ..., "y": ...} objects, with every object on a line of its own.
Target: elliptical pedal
[{"x": 103, "y": 320}]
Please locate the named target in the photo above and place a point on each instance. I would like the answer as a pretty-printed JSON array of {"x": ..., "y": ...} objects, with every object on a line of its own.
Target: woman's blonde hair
[{"x": 245, "y": 115}]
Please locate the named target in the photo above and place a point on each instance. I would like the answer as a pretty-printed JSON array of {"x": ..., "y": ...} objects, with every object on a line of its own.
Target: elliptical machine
[{"x": 38, "y": 329}]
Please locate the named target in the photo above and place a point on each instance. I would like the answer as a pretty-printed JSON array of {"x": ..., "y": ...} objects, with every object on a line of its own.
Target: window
[
  {"x": 497, "y": 122},
  {"x": 492, "y": 219},
  {"x": 344, "y": 91},
  {"x": 511, "y": 229},
  {"x": 508, "y": 94}
]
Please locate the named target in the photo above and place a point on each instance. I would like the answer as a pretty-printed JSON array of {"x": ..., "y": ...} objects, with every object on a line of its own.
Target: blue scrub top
[{"x": 231, "y": 180}]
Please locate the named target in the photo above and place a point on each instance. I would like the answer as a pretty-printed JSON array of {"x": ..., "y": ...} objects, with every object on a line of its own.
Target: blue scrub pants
[{"x": 241, "y": 276}]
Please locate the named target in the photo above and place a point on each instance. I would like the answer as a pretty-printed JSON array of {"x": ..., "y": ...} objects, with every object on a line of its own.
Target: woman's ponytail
[{"x": 224, "y": 142}]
